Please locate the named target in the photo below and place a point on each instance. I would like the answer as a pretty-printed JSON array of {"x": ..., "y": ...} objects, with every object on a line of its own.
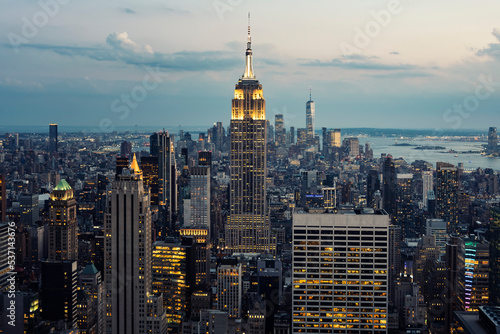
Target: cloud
[
  {"x": 394, "y": 53},
  {"x": 493, "y": 49},
  {"x": 14, "y": 83},
  {"x": 120, "y": 40},
  {"x": 120, "y": 48},
  {"x": 359, "y": 62},
  {"x": 128, "y": 10}
]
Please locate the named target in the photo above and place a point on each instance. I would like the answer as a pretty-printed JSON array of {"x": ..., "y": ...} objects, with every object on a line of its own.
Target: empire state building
[{"x": 248, "y": 227}]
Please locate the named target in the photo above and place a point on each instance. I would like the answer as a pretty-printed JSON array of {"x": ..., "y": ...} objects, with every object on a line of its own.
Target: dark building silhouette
[
  {"x": 447, "y": 186},
  {"x": 53, "y": 138},
  {"x": 149, "y": 166},
  {"x": 389, "y": 188},
  {"x": 372, "y": 185},
  {"x": 126, "y": 149},
  {"x": 494, "y": 238},
  {"x": 3, "y": 199}
]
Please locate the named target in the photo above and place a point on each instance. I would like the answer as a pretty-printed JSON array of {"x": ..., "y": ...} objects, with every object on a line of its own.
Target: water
[{"x": 470, "y": 160}]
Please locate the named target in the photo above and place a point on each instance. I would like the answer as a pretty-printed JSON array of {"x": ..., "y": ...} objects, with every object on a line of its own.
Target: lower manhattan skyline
[{"x": 386, "y": 64}]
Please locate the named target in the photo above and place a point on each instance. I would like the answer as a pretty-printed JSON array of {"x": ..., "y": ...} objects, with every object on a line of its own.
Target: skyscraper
[
  {"x": 447, "y": 195},
  {"x": 494, "y": 231},
  {"x": 492, "y": 139},
  {"x": 53, "y": 138},
  {"x": 404, "y": 204},
  {"x": 340, "y": 272},
  {"x": 279, "y": 130},
  {"x": 162, "y": 146},
  {"x": 389, "y": 187},
  {"x": 129, "y": 298},
  {"x": 310, "y": 113},
  {"x": 63, "y": 225},
  {"x": 126, "y": 149},
  {"x": 248, "y": 227},
  {"x": 427, "y": 185}
]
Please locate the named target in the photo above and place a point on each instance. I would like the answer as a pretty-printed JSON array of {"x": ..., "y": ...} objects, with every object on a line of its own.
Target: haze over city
[{"x": 386, "y": 64}]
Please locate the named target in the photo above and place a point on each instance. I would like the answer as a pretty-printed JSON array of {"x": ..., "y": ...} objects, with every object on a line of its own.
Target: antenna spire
[
  {"x": 310, "y": 93},
  {"x": 248, "y": 74}
]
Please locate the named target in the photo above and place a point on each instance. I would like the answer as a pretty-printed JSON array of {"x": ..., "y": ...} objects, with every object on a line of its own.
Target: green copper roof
[
  {"x": 62, "y": 185},
  {"x": 90, "y": 269}
]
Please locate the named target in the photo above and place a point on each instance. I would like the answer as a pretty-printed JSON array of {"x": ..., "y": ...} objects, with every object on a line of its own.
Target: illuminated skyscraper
[
  {"x": 447, "y": 195},
  {"x": 340, "y": 272},
  {"x": 53, "y": 138},
  {"x": 310, "y": 111},
  {"x": 248, "y": 227},
  {"x": 427, "y": 186},
  {"x": 404, "y": 215},
  {"x": 63, "y": 225},
  {"x": 130, "y": 304}
]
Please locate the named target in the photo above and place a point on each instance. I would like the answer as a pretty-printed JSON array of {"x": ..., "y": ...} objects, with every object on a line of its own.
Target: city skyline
[{"x": 69, "y": 72}]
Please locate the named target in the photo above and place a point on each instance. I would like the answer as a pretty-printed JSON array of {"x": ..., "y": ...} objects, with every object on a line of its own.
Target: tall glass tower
[
  {"x": 310, "y": 111},
  {"x": 248, "y": 225}
]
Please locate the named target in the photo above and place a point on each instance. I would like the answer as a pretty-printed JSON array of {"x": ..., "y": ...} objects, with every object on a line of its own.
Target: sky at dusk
[{"x": 370, "y": 63}]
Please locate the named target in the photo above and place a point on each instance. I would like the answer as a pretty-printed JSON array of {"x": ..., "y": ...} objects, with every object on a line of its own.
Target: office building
[
  {"x": 352, "y": 147},
  {"x": 437, "y": 228},
  {"x": 53, "y": 144},
  {"x": 473, "y": 273},
  {"x": 229, "y": 287},
  {"x": 121, "y": 163},
  {"x": 340, "y": 264},
  {"x": 200, "y": 198},
  {"x": 30, "y": 212},
  {"x": 248, "y": 228},
  {"x": 404, "y": 204},
  {"x": 389, "y": 187},
  {"x": 58, "y": 291},
  {"x": 205, "y": 158},
  {"x": 162, "y": 146},
  {"x": 63, "y": 224},
  {"x": 126, "y": 149},
  {"x": 130, "y": 303},
  {"x": 372, "y": 186},
  {"x": 149, "y": 167},
  {"x": 90, "y": 281},
  {"x": 427, "y": 186},
  {"x": 494, "y": 232},
  {"x": 3, "y": 199},
  {"x": 447, "y": 186},
  {"x": 292, "y": 135}
]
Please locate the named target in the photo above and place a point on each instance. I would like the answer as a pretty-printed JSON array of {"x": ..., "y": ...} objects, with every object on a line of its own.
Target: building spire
[
  {"x": 310, "y": 93},
  {"x": 249, "y": 60}
]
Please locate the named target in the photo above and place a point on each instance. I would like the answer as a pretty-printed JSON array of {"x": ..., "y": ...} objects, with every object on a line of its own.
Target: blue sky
[{"x": 371, "y": 63}]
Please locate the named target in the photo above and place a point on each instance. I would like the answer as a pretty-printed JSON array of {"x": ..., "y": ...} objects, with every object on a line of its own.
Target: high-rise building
[
  {"x": 162, "y": 146},
  {"x": 447, "y": 195},
  {"x": 205, "y": 158},
  {"x": 149, "y": 166},
  {"x": 404, "y": 216},
  {"x": 121, "y": 163},
  {"x": 90, "y": 281},
  {"x": 292, "y": 135},
  {"x": 58, "y": 291},
  {"x": 494, "y": 232},
  {"x": 427, "y": 186},
  {"x": 352, "y": 146},
  {"x": 30, "y": 212},
  {"x": 53, "y": 138},
  {"x": 126, "y": 149},
  {"x": 473, "y": 273},
  {"x": 340, "y": 264},
  {"x": 279, "y": 130},
  {"x": 492, "y": 139},
  {"x": 389, "y": 187},
  {"x": 3, "y": 199},
  {"x": 437, "y": 228},
  {"x": 63, "y": 225},
  {"x": 372, "y": 186},
  {"x": 200, "y": 198},
  {"x": 310, "y": 114},
  {"x": 248, "y": 228},
  {"x": 130, "y": 303},
  {"x": 229, "y": 287}
]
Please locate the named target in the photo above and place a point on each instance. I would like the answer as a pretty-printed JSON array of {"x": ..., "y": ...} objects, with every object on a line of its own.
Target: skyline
[{"x": 72, "y": 64}]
